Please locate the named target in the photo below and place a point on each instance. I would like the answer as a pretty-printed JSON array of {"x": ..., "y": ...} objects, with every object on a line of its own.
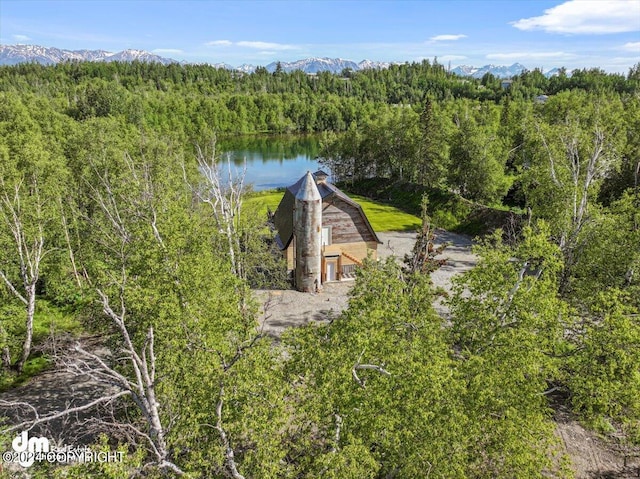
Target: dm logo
[{"x": 26, "y": 448}]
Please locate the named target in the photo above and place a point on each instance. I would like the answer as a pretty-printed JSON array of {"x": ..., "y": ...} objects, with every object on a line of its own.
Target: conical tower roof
[{"x": 308, "y": 190}]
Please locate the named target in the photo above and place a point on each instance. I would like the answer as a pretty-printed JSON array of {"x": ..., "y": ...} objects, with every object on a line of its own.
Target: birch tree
[
  {"x": 249, "y": 244},
  {"x": 575, "y": 143},
  {"x": 182, "y": 327},
  {"x": 21, "y": 213},
  {"x": 224, "y": 196}
]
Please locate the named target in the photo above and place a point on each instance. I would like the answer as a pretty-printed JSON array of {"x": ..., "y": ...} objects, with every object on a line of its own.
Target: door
[{"x": 331, "y": 270}]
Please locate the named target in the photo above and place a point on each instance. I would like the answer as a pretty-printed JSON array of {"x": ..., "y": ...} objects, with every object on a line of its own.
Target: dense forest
[{"x": 113, "y": 222}]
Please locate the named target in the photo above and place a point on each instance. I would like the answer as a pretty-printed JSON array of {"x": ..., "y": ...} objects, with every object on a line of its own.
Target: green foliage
[
  {"x": 50, "y": 322},
  {"x": 262, "y": 261},
  {"x": 501, "y": 287},
  {"x": 384, "y": 145},
  {"x": 508, "y": 325},
  {"x": 388, "y": 389},
  {"x": 173, "y": 277},
  {"x": 609, "y": 256},
  {"x": 401, "y": 414},
  {"x": 574, "y": 144},
  {"x": 472, "y": 414},
  {"x": 604, "y": 373},
  {"x": 477, "y": 160},
  {"x": 432, "y": 158},
  {"x": 628, "y": 176}
]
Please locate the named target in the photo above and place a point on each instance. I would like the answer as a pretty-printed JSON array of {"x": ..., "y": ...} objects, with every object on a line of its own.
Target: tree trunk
[
  {"x": 31, "y": 309},
  {"x": 6, "y": 358}
]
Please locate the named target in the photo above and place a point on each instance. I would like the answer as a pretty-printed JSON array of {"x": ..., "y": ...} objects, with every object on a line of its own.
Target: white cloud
[
  {"x": 275, "y": 47},
  {"x": 167, "y": 50},
  {"x": 632, "y": 47},
  {"x": 527, "y": 55},
  {"x": 446, "y": 38},
  {"x": 586, "y": 17},
  {"x": 219, "y": 43},
  {"x": 267, "y": 46},
  {"x": 21, "y": 38},
  {"x": 451, "y": 58},
  {"x": 624, "y": 61}
]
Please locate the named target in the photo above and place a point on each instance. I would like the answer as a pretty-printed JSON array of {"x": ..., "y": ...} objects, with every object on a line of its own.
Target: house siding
[
  {"x": 347, "y": 223},
  {"x": 360, "y": 250},
  {"x": 290, "y": 255}
]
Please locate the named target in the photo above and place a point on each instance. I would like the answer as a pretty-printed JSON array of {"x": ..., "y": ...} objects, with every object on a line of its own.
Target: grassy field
[
  {"x": 263, "y": 200},
  {"x": 381, "y": 216},
  {"x": 386, "y": 217},
  {"x": 447, "y": 210}
]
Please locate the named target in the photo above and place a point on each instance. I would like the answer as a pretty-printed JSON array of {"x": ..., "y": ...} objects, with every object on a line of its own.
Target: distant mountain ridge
[
  {"x": 495, "y": 70},
  {"x": 317, "y": 65},
  {"x": 15, "y": 54}
]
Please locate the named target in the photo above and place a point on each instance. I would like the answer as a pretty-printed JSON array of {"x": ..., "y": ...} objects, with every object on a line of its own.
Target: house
[
  {"x": 323, "y": 234},
  {"x": 506, "y": 84}
]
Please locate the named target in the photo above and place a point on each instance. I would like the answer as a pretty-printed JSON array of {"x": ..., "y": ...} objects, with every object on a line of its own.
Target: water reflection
[{"x": 272, "y": 161}]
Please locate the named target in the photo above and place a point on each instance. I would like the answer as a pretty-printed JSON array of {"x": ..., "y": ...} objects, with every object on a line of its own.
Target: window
[{"x": 326, "y": 235}]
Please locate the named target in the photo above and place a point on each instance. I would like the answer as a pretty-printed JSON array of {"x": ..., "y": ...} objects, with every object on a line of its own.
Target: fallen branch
[
  {"x": 374, "y": 367},
  {"x": 336, "y": 437},
  {"x": 39, "y": 420}
]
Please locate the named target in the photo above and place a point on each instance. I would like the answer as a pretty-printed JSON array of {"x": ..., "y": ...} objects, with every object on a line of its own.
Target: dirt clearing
[{"x": 286, "y": 308}]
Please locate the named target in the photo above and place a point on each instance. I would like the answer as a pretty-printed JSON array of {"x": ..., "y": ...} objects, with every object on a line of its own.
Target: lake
[{"x": 272, "y": 161}]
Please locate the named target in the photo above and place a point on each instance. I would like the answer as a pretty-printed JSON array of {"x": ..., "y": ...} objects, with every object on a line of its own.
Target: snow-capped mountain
[
  {"x": 138, "y": 55},
  {"x": 14, "y": 54},
  {"x": 499, "y": 71},
  {"x": 226, "y": 66},
  {"x": 371, "y": 65},
  {"x": 465, "y": 70},
  {"x": 246, "y": 68},
  {"x": 556, "y": 71},
  {"x": 314, "y": 65}
]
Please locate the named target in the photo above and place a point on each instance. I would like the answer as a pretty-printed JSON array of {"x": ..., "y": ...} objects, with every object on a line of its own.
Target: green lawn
[
  {"x": 386, "y": 217},
  {"x": 263, "y": 200},
  {"x": 381, "y": 216}
]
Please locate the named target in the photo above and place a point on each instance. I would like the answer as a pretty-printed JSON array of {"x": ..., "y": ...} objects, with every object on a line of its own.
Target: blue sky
[{"x": 547, "y": 34}]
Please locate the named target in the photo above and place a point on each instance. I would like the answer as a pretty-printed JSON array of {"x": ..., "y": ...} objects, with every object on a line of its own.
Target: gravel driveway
[{"x": 285, "y": 308}]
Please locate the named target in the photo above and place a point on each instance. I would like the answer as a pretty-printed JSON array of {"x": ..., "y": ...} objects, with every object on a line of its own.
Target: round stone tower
[{"x": 307, "y": 230}]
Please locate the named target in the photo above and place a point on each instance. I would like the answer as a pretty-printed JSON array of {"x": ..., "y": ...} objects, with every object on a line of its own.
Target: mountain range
[
  {"x": 495, "y": 70},
  {"x": 15, "y": 54}
]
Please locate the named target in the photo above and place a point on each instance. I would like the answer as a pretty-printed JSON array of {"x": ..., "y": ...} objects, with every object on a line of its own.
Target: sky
[{"x": 537, "y": 33}]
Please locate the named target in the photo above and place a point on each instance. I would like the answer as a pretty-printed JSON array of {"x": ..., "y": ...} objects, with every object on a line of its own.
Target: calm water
[{"x": 272, "y": 161}]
